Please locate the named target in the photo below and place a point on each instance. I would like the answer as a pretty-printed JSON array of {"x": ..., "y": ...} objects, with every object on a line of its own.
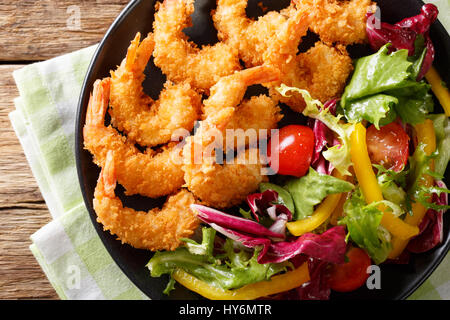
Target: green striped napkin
[{"x": 68, "y": 248}]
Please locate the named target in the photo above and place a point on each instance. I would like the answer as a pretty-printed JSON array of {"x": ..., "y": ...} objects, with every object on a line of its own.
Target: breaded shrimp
[
  {"x": 150, "y": 173},
  {"x": 230, "y": 90},
  {"x": 273, "y": 40},
  {"x": 260, "y": 112},
  {"x": 145, "y": 121},
  {"x": 252, "y": 38},
  {"x": 256, "y": 113},
  {"x": 181, "y": 60},
  {"x": 157, "y": 229},
  {"x": 223, "y": 186},
  {"x": 229, "y": 184},
  {"x": 341, "y": 21},
  {"x": 322, "y": 70}
]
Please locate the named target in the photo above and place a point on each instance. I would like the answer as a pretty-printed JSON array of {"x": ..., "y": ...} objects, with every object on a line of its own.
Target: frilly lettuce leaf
[
  {"x": 442, "y": 129},
  {"x": 384, "y": 85},
  {"x": 392, "y": 185},
  {"x": 418, "y": 58},
  {"x": 420, "y": 166},
  {"x": 377, "y": 109},
  {"x": 363, "y": 224},
  {"x": 414, "y": 102},
  {"x": 311, "y": 189},
  {"x": 206, "y": 247},
  {"x": 378, "y": 73},
  {"x": 339, "y": 155},
  {"x": 230, "y": 270}
]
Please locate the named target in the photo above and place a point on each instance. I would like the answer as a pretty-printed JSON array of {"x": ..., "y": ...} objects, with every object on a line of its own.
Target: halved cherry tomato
[
  {"x": 294, "y": 146},
  {"x": 388, "y": 146},
  {"x": 352, "y": 274}
]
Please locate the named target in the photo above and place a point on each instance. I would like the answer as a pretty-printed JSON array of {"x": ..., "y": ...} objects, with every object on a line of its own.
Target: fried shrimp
[
  {"x": 229, "y": 184},
  {"x": 145, "y": 121},
  {"x": 273, "y": 40},
  {"x": 322, "y": 71},
  {"x": 253, "y": 38},
  {"x": 157, "y": 229},
  {"x": 223, "y": 186},
  {"x": 181, "y": 60},
  {"x": 341, "y": 21},
  {"x": 256, "y": 113},
  {"x": 230, "y": 90},
  {"x": 150, "y": 173}
]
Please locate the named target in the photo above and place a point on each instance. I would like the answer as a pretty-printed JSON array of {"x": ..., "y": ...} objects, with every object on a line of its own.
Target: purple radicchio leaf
[
  {"x": 266, "y": 202},
  {"x": 246, "y": 240},
  {"x": 279, "y": 226},
  {"x": 403, "y": 34},
  {"x": 318, "y": 287},
  {"x": 431, "y": 228},
  {"x": 329, "y": 246},
  {"x": 228, "y": 221},
  {"x": 323, "y": 138}
]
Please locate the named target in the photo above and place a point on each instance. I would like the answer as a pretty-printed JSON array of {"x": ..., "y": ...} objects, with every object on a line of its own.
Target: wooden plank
[
  {"x": 33, "y": 30},
  {"x": 22, "y": 209}
]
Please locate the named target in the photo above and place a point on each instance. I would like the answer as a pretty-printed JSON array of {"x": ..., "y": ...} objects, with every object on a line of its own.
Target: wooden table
[{"x": 30, "y": 31}]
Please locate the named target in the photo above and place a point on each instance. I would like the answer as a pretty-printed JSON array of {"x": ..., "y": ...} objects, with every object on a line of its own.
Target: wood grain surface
[
  {"x": 40, "y": 29},
  {"x": 32, "y": 31}
]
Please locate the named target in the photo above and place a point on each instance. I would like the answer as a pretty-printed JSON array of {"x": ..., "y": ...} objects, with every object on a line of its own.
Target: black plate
[{"x": 397, "y": 281}]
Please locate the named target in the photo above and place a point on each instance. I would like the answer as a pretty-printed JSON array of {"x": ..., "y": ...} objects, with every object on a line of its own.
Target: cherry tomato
[
  {"x": 352, "y": 274},
  {"x": 388, "y": 146},
  {"x": 294, "y": 146}
]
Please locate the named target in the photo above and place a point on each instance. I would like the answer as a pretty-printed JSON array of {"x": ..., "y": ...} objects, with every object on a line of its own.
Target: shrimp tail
[
  {"x": 260, "y": 75},
  {"x": 98, "y": 103},
  {"x": 139, "y": 53},
  {"x": 108, "y": 176}
]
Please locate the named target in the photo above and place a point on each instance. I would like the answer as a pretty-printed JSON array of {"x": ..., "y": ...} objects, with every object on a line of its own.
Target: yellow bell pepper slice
[
  {"x": 425, "y": 135},
  {"x": 439, "y": 90},
  {"x": 369, "y": 185},
  {"x": 277, "y": 284},
  {"x": 320, "y": 215}
]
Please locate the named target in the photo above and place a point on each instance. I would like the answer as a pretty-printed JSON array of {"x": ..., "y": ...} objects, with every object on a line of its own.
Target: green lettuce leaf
[
  {"x": 378, "y": 73},
  {"x": 421, "y": 165},
  {"x": 383, "y": 86},
  {"x": 247, "y": 214},
  {"x": 311, "y": 189},
  {"x": 231, "y": 270},
  {"x": 363, "y": 224},
  {"x": 414, "y": 102},
  {"x": 206, "y": 247},
  {"x": 392, "y": 185},
  {"x": 442, "y": 129},
  {"x": 377, "y": 109},
  {"x": 420, "y": 50},
  {"x": 339, "y": 155},
  {"x": 284, "y": 197}
]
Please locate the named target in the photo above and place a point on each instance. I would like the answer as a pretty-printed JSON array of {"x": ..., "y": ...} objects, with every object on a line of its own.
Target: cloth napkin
[{"x": 68, "y": 248}]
